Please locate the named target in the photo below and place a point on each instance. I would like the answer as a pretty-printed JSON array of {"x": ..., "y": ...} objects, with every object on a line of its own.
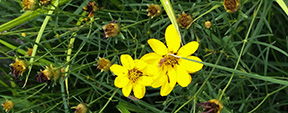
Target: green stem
[
  {"x": 28, "y": 15},
  {"x": 45, "y": 22},
  {"x": 135, "y": 23},
  {"x": 108, "y": 101},
  {"x": 241, "y": 52},
  {"x": 269, "y": 94},
  {"x": 214, "y": 7}
]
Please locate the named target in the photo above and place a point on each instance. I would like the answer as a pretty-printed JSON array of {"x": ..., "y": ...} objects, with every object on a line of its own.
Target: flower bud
[
  {"x": 208, "y": 24},
  {"x": 81, "y": 108}
]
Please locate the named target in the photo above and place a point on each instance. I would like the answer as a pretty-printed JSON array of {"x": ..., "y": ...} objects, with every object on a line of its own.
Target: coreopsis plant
[
  {"x": 171, "y": 68},
  {"x": 132, "y": 75}
]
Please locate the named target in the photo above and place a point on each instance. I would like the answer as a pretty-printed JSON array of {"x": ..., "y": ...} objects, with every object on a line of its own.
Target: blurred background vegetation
[{"x": 245, "y": 52}]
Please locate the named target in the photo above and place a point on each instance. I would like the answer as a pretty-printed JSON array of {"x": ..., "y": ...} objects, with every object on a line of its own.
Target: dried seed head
[
  {"x": 8, "y": 105},
  {"x": 212, "y": 106},
  {"x": 184, "y": 20},
  {"x": 91, "y": 7},
  {"x": 208, "y": 24},
  {"x": 48, "y": 74},
  {"x": 28, "y": 4},
  {"x": 18, "y": 67},
  {"x": 154, "y": 10},
  {"x": 111, "y": 30},
  {"x": 45, "y": 2},
  {"x": 231, "y": 6},
  {"x": 81, "y": 108},
  {"x": 103, "y": 64}
]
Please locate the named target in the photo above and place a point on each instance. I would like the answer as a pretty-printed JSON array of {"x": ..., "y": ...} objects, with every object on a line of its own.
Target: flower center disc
[{"x": 134, "y": 74}]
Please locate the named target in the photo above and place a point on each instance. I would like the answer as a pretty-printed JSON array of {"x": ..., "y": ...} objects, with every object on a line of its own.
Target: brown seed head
[
  {"x": 28, "y": 4},
  {"x": 18, "y": 67},
  {"x": 29, "y": 52},
  {"x": 212, "y": 106},
  {"x": 103, "y": 64},
  {"x": 154, "y": 10},
  {"x": 231, "y": 6},
  {"x": 45, "y": 2},
  {"x": 91, "y": 7},
  {"x": 111, "y": 30},
  {"x": 184, "y": 20}
]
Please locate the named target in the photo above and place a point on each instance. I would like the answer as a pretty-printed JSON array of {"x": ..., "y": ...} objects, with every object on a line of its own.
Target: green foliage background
[{"x": 246, "y": 67}]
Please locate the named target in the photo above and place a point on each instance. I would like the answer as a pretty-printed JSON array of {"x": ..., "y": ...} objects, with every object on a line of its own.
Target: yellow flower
[
  {"x": 154, "y": 10},
  {"x": 18, "y": 67},
  {"x": 172, "y": 69},
  {"x": 212, "y": 106},
  {"x": 91, "y": 7},
  {"x": 28, "y": 4},
  {"x": 184, "y": 20},
  {"x": 134, "y": 74},
  {"x": 103, "y": 64},
  {"x": 231, "y": 6},
  {"x": 81, "y": 108},
  {"x": 8, "y": 105},
  {"x": 111, "y": 30},
  {"x": 208, "y": 24}
]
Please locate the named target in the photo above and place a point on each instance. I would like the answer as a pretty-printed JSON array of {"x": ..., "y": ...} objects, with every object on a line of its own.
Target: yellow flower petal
[
  {"x": 157, "y": 46},
  {"x": 172, "y": 39},
  {"x": 127, "y": 61},
  {"x": 190, "y": 66},
  {"x": 145, "y": 80},
  {"x": 121, "y": 81},
  {"x": 127, "y": 89},
  {"x": 188, "y": 49},
  {"x": 159, "y": 78},
  {"x": 165, "y": 88},
  {"x": 139, "y": 91},
  {"x": 172, "y": 76},
  {"x": 139, "y": 64},
  {"x": 119, "y": 70},
  {"x": 151, "y": 58},
  {"x": 183, "y": 78},
  {"x": 151, "y": 70}
]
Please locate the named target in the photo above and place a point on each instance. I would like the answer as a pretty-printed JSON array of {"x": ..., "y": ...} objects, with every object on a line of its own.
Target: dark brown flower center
[
  {"x": 134, "y": 74},
  {"x": 168, "y": 60}
]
